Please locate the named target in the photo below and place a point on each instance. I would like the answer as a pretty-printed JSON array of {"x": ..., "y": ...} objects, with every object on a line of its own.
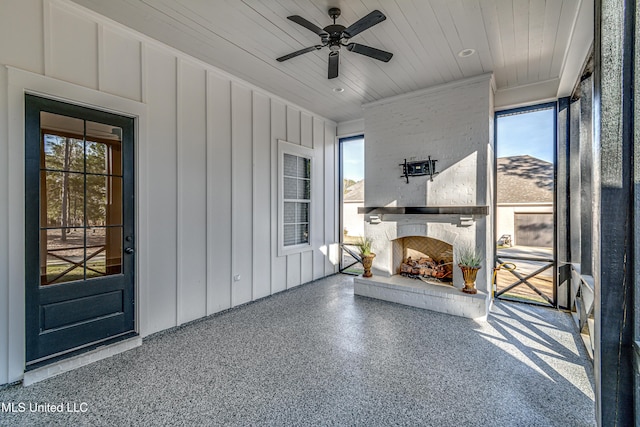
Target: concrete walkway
[
  {"x": 525, "y": 251},
  {"x": 317, "y": 355}
]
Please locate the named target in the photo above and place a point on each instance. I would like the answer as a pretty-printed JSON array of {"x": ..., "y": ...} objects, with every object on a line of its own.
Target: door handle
[{"x": 129, "y": 251}]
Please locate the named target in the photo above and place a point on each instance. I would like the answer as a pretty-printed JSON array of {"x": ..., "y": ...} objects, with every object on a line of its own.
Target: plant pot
[
  {"x": 367, "y": 261},
  {"x": 469, "y": 274}
]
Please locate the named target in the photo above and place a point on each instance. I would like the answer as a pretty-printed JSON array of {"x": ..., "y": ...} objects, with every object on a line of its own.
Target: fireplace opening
[{"x": 423, "y": 258}]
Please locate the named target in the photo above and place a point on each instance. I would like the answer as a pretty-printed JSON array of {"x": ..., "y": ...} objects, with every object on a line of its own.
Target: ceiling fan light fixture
[{"x": 466, "y": 52}]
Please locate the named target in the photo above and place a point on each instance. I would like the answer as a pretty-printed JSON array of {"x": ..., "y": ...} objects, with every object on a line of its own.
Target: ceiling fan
[{"x": 336, "y": 36}]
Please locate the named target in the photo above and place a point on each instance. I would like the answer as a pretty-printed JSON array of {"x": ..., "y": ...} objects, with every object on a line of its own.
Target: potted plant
[
  {"x": 366, "y": 256},
  {"x": 469, "y": 261}
]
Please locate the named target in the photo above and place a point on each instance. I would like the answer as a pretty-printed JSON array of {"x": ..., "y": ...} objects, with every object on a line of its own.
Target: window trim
[{"x": 285, "y": 147}]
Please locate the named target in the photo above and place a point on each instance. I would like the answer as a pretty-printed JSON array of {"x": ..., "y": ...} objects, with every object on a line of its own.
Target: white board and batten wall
[{"x": 206, "y": 169}]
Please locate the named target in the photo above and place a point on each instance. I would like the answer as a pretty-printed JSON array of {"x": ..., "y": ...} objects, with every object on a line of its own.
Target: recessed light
[
  {"x": 338, "y": 89},
  {"x": 466, "y": 52}
]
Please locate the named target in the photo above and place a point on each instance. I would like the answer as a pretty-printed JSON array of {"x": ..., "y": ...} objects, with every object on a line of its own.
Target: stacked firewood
[{"x": 426, "y": 267}]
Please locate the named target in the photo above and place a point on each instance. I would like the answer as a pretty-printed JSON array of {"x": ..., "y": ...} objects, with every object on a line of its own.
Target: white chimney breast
[{"x": 452, "y": 123}]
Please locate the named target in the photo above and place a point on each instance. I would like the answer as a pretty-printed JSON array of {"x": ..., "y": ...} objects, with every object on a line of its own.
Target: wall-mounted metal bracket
[
  {"x": 466, "y": 220},
  {"x": 374, "y": 219},
  {"x": 419, "y": 168}
]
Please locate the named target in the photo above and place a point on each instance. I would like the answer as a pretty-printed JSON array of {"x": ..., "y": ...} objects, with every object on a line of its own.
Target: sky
[
  {"x": 353, "y": 159},
  {"x": 528, "y": 133}
]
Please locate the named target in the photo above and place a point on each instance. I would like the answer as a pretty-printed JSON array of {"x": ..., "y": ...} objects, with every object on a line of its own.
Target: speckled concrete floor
[{"x": 317, "y": 355}]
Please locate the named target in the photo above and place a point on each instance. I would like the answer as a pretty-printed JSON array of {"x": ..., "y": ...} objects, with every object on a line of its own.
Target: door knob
[{"x": 129, "y": 251}]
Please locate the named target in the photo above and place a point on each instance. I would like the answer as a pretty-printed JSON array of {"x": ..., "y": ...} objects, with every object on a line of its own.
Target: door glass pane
[
  {"x": 104, "y": 251},
  {"x": 63, "y": 255},
  {"x": 80, "y": 200},
  {"x": 113, "y": 250},
  {"x": 63, "y": 199},
  {"x": 63, "y": 142},
  {"x": 103, "y": 150},
  {"x": 62, "y": 153},
  {"x": 104, "y": 200},
  {"x": 95, "y": 259}
]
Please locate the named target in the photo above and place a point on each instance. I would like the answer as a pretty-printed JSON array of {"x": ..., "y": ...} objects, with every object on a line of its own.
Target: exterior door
[{"x": 79, "y": 228}]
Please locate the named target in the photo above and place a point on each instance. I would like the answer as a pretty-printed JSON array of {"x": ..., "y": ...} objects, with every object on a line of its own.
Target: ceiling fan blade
[
  {"x": 308, "y": 25},
  {"x": 363, "y": 23},
  {"x": 334, "y": 58},
  {"x": 372, "y": 52},
  {"x": 299, "y": 52}
]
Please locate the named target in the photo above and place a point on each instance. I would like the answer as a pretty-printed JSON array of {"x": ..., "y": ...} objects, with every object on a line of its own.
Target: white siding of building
[
  {"x": 505, "y": 214},
  {"x": 352, "y": 221},
  {"x": 205, "y": 167}
]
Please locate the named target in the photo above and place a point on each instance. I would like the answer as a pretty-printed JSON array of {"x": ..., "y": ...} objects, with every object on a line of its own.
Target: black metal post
[{"x": 614, "y": 220}]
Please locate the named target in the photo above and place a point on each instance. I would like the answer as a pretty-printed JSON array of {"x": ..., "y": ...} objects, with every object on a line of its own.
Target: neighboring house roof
[
  {"x": 354, "y": 192},
  {"x": 524, "y": 179}
]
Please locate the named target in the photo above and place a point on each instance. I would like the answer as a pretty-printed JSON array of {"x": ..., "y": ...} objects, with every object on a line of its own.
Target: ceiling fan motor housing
[
  {"x": 335, "y": 30},
  {"x": 335, "y": 36}
]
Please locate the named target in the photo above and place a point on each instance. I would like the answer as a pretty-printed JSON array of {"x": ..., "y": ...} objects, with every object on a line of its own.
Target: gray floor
[{"x": 317, "y": 355}]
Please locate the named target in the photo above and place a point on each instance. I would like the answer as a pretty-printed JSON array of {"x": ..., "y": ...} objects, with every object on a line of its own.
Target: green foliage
[
  {"x": 468, "y": 257},
  {"x": 65, "y": 191},
  {"x": 364, "y": 244}
]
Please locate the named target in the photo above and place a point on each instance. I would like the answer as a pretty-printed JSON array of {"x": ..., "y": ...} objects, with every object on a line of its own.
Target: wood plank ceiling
[{"x": 523, "y": 42}]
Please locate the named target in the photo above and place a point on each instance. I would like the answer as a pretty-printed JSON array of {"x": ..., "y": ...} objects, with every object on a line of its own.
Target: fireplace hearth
[
  {"x": 411, "y": 247},
  {"x": 442, "y": 298},
  {"x": 422, "y": 246}
]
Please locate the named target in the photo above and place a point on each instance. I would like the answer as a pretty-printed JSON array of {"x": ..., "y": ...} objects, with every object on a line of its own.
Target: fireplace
[
  {"x": 423, "y": 258},
  {"x": 426, "y": 217},
  {"x": 429, "y": 242}
]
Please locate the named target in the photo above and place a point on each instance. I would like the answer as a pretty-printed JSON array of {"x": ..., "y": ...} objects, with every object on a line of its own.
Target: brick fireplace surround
[{"x": 453, "y": 124}]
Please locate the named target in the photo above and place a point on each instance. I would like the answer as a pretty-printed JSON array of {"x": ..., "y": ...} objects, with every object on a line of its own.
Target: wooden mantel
[{"x": 426, "y": 210}]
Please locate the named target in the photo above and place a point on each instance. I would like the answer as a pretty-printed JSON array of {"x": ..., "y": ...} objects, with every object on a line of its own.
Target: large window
[
  {"x": 295, "y": 196},
  {"x": 352, "y": 173},
  {"x": 352, "y": 198},
  {"x": 525, "y": 204}
]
